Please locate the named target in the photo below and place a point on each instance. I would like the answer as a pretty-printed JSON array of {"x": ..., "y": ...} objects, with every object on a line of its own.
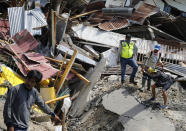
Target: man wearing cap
[
  {"x": 127, "y": 51},
  {"x": 153, "y": 58},
  {"x": 161, "y": 80}
]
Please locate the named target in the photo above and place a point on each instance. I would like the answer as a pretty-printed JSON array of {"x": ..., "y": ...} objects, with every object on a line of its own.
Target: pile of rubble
[{"x": 73, "y": 43}]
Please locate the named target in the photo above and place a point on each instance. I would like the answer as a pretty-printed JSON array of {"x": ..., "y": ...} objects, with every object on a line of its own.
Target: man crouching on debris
[
  {"x": 127, "y": 50},
  {"x": 19, "y": 101},
  {"x": 161, "y": 80}
]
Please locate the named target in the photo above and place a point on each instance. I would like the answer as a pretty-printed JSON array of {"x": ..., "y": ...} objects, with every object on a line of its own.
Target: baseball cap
[{"x": 157, "y": 47}]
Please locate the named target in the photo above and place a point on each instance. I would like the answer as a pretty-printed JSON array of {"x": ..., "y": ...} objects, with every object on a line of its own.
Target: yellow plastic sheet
[{"x": 9, "y": 75}]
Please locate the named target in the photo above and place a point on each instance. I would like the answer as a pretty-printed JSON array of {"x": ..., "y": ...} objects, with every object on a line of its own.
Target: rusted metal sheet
[
  {"x": 98, "y": 18},
  {"x": 95, "y": 5},
  {"x": 25, "y": 41},
  {"x": 32, "y": 61},
  {"x": 143, "y": 10},
  {"x": 37, "y": 57},
  {"x": 4, "y": 29},
  {"x": 46, "y": 69},
  {"x": 114, "y": 24}
]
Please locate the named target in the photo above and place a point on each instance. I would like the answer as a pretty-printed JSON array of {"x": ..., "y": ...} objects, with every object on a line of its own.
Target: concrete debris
[{"x": 133, "y": 115}]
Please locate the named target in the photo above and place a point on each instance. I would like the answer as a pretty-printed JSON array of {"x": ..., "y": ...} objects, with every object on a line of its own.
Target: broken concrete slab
[
  {"x": 133, "y": 115},
  {"x": 120, "y": 101},
  {"x": 147, "y": 121},
  {"x": 111, "y": 56}
]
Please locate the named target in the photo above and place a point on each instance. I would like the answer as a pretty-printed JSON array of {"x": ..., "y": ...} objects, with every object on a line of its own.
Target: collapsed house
[{"x": 74, "y": 42}]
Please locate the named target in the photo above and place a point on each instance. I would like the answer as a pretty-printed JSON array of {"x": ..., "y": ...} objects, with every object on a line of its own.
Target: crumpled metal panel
[
  {"x": 143, "y": 10},
  {"x": 115, "y": 24},
  {"x": 177, "y": 69},
  {"x": 4, "y": 29},
  {"x": 34, "y": 19},
  {"x": 25, "y": 41},
  {"x": 20, "y": 19}
]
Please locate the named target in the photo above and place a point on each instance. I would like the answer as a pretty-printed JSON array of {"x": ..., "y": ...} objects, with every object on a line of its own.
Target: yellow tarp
[{"x": 8, "y": 75}]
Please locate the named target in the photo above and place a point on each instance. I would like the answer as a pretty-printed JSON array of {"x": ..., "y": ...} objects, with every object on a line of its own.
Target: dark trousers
[
  {"x": 20, "y": 129},
  {"x": 131, "y": 62},
  {"x": 144, "y": 79}
]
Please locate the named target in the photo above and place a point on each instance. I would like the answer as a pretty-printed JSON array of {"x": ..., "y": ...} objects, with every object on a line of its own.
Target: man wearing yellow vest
[{"x": 127, "y": 51}]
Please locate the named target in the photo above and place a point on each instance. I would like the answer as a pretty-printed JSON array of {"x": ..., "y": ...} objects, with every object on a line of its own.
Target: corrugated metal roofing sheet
[
  {"x": 25, "y": 41},
  {"x": 143, "y": 10},
  {"x": 98, "y": 17},
  {"x": 20, "y": 19},
  {"x": 34, "y": 19},
  {"x": 115, "y": 24},
  {"x": 34, "y": 61},
  {"x": 16, "y": 19}
]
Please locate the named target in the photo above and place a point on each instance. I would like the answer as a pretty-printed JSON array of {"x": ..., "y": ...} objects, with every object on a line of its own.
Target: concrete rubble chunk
[{"x": 133, "y": 115}]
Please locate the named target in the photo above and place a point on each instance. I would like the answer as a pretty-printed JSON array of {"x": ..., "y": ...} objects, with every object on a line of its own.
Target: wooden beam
[
  {"x": 57, "y": 99},
  {"x": 61, "y": 82},
  {"x": 76, "y": 65},
  {"x": 86, "y": 13},
  {"x": 80, "y": 76},
  {"x": 6, "y": 42},
  {"x": 60, "y": 69},
  {"x": 53, "y": 31}
]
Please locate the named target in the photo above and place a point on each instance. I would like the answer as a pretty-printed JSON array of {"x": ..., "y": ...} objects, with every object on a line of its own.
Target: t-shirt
[
  {"x": 152, "y": 60},
  {"x": 18, "y": 104}
]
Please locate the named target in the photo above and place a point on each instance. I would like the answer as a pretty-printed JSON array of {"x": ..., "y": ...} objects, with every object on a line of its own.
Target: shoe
[
  {"x": 133, "y": 82},
  {"x": 122, "y": 82},
  {"x": 148, "y": 89},
  {"x": 163, "y": 106},
  {"x": 152, "y": 99}
]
